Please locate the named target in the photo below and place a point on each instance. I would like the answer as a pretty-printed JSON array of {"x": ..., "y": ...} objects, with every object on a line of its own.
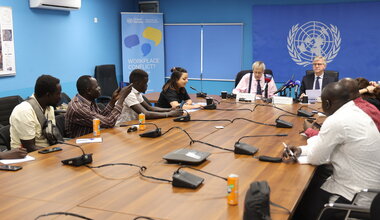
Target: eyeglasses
[{"x": 318, "y": 64}]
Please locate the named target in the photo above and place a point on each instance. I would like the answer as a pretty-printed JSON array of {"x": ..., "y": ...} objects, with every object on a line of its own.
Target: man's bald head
[
  {"x": 334, "y": 95},
  {"x": 352, "y": 86}
]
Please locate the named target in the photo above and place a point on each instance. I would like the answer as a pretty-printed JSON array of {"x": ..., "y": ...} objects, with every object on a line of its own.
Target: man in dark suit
[{"x": 319, "y": 79}]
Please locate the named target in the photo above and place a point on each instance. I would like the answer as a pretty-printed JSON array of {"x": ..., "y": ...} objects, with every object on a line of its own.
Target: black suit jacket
[{"x": 308, "y": 82}]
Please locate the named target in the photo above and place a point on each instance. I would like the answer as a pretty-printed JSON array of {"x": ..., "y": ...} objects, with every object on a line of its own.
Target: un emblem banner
[{"x": 287, "y": 38}]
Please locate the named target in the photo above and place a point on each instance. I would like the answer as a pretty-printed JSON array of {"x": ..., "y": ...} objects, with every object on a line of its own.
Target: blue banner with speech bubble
[{"x": 143, "y": 47}]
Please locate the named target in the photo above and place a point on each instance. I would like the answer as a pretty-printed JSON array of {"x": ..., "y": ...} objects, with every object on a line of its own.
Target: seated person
[
  {"x": 25, "y": 129},
  {"x": 257, "y": 83},
  {"x": 82, "y": 109},
  {"x": 174, "y": 92},
  {"x": 135, "y": 104},
  {"x": 319, "y": 79},
  {"x": 368, "y": 108},
  {"x": 349, "y": 140},
  {"x": 15, "y": 153},
  {"x": 370, "y": 91}
]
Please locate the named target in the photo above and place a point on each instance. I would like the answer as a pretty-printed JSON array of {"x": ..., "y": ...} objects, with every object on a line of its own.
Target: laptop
[{"x": 313, "y": 94}]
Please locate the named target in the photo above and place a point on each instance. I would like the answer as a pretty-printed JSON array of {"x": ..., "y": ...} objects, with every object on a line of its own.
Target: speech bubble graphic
[
  {"x": 153, "y": 34},
  {"x": 131, "y": 41},
  {"x": 146, "y": 48}
]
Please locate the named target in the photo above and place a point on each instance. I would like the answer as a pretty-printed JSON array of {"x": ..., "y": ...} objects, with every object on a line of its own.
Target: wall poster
[{"x": 7, "y": 51}]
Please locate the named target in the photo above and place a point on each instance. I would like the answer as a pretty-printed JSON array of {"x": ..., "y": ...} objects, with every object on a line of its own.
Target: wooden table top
[{"x": 118, "y": 192}]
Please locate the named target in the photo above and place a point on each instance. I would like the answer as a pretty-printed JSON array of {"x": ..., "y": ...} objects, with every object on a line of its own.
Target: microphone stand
[{"x": 201, "y": 94}]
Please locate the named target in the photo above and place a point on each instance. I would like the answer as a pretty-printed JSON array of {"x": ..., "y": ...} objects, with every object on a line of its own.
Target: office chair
[
  {"x": 332, "y": 73},
  {"x": 355, "y": 211},
  {"x": 64, "y": 99},
  {"x": 240, "y": 75},
  {"x": 60, "y": 123},
  {"x": 7, "y": 104},
  {"x": 5, "y": 138},
  {"x": 106, "y": 77},
  {"x": 243, "y": 72}
]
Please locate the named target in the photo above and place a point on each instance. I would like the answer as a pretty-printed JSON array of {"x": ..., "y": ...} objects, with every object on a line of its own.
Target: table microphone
[
  {"x": 304, "y": 113},
  {"x": 283, "y": 124},
  {"x": 151, "y": 134},
  {"x": 200, "y": 93},
  {"x": 183, "y": 118},
  {"x": 187, "y": 180},
  {"x": 77, "y": 161},
  {"x": 246, "y": 149}
]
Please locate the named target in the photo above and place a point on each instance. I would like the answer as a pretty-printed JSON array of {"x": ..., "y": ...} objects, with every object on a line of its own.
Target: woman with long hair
[{"x": 174, "y": 92}]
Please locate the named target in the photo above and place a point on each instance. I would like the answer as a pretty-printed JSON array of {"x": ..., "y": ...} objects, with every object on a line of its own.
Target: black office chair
[
  {"x": 240, "y": 75},
  {"x": 64, "y": 99},
  {"x": 106, "y": 77},
  {"x": 243, "y": 72},
  {"x": 355, "y": 211},
  {"x": 7, "y": 104},
  {"x": 5, "y": 138},
  {"x": 332, "y": 73},
  {"x": 60, "y": 123}
]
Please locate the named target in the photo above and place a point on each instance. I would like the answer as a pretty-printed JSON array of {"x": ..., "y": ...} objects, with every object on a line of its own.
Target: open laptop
[{"x": 313, "y": 94}]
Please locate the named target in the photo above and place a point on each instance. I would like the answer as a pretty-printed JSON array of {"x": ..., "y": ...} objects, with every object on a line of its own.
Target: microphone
[
  {"x": 187, "y": 180},
  {"x": 304, "y": 113},
  {"x": 199, "y": 94},
  {"x": 77, "y": 161},
  {"x": 297, "y": 85},
  {"x": 286, "y": 85},
  {"x": 246, "y": 149},
  {"x": 267, "y": 79},
  {"x": 283, "y": 124},
  {"x": 151, "y": 134},
  {"x": 184, "y": 118}
]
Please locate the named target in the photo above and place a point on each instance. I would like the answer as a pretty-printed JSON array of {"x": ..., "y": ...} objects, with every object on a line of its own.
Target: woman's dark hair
[
  {"x": 179, "y": 69},
  {"x": 45, "y": 84},
  {"x": 363, "y": 83},
  {"x": 172, "y": 82}
]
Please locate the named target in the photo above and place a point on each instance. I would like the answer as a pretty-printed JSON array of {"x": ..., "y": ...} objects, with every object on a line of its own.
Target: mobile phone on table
[
  {"x": 10, "y": 168},
  {"x": 50, "y": 150}
]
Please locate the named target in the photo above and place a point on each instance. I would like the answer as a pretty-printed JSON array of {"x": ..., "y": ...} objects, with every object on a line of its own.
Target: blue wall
[
  {"x": 70, "y": 44},
  {"x": 225, "y": 11},
  {"x": 63, "y": 44}
]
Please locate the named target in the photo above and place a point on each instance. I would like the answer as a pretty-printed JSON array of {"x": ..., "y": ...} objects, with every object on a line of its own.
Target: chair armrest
[{"x": 347, "y": 207}]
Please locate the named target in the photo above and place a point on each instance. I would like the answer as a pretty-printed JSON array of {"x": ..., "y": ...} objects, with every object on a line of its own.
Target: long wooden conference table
[{"x": 119, "y": 192}]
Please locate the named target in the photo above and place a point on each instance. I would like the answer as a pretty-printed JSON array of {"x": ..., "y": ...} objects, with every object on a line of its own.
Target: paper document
[
  {"x": 10, "y": 161},
  {"x": 303, "y": 160},
  {"x": 89, "y": 140}
]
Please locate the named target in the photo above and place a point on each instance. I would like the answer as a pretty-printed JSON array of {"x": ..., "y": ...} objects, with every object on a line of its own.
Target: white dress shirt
[
  {"x": 349, "y": 139},
  {"x": 243, "y": 85}
]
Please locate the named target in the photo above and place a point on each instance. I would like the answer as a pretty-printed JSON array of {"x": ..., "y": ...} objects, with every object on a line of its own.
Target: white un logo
[{"x": 312, "y": 39}]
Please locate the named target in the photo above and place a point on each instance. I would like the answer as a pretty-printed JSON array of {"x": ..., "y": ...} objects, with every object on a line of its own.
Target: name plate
[
  {"x": 282, "y": 100},
  {"x": 246, "y": 96}
]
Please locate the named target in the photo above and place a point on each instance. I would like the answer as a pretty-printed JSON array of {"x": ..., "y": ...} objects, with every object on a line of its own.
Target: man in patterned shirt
[{"x": 82, "y": 109}]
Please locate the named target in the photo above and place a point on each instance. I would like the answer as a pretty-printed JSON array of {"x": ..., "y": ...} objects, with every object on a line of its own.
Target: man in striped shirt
[{"x": 82, "y": 109}]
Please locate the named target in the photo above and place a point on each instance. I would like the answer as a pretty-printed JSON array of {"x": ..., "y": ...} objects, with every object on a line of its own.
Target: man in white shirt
[
  {"x": 350, "y": 141},
  {"x": 135, "y": 104},
  {"x": 25, "y": 128}
]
